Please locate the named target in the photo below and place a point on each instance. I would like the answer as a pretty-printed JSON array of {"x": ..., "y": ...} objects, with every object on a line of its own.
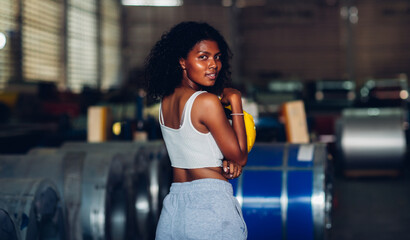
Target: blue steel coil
[{"x": 283, "y": 192}]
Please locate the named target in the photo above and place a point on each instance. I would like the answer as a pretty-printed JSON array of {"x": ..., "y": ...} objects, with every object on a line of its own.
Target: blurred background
[{"x": 329, "y": 74}]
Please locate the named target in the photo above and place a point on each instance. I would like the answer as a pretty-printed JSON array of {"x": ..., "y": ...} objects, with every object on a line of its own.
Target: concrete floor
[{"x": 372, "y": 208}]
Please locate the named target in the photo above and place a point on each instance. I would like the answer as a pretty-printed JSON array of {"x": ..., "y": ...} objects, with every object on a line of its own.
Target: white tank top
[{"x": 187, "y": 147}]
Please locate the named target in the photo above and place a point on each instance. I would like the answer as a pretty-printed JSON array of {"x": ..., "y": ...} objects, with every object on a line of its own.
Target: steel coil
[
  {"x": 372, "y": 138},
  {"x": 103, "y": 202},
  {"x": 284, "y": 192},
  {"x": 149, "y": 177},
  {"x": 8, "y": 230},
  {"x": 135, "y": 180},
  {"x": 94, "y": 194},
  {"x": 30, "y": 209},
  {"x": 160, "y": 173}
]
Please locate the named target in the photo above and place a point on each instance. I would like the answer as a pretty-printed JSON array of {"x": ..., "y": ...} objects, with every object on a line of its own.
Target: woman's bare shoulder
[
  {"x": 208, "y": 105},
  {"x": 208, "y": 100}
]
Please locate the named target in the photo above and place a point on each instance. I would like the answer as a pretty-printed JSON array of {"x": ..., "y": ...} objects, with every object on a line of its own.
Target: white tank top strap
[
  {"x": 161, "y": 117},
  {"x": 188, "y": 106}
]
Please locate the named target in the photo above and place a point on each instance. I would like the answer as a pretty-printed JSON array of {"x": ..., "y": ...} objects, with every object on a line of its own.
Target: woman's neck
[{"x": 188, "y": 83}]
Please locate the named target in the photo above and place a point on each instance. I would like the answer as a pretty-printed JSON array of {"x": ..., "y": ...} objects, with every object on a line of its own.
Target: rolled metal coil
[
  {"x": 30, "y": 209},
  {"x": 8, "y": 231},
  {"x": 372, "y": 138},
  {"x": 94, "y": 194},
  {"x": 285, "y": 192},
  {"x": 159, "y": 172},
  {"x": 135, "y": 179},
  {"x": 149, "y": 177},
  {"x": 57, "y": 168},
  {"x": 104, "y": 199}
]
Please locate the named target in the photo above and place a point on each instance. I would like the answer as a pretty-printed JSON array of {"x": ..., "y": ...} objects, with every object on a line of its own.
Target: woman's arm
[
  {"x": 232, "y": 97},
  {"x": 208, "y": 113}
]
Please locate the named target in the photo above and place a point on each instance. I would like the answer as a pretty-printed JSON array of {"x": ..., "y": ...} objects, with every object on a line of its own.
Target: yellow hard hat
[{"x": 249, "y": 127}]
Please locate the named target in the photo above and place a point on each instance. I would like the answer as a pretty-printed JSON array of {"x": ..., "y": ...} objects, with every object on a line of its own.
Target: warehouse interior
[{"x": 326, "y": 81}]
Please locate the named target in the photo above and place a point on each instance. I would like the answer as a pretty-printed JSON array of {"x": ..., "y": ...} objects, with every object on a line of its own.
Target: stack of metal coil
[
  {"x": 114, "y": 190},
  {"x": 110, "y": 190}
]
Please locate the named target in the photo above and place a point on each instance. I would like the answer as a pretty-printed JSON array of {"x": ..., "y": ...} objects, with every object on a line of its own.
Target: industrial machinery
[{"x": 334, "y": 94}]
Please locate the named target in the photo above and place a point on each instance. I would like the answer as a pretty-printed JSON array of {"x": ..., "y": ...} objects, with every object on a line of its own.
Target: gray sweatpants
[{"x": 201, "y": 209}]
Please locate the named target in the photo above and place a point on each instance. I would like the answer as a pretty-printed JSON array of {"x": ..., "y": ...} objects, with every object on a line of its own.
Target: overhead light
[
  {"x": 3, "y": 40},
  {"x": 155, "y": 3}
]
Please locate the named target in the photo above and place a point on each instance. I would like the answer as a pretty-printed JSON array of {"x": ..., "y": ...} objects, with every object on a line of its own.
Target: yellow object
[
  {"x": 116, "y": 128},
  {"x": 249, "y": 128}
]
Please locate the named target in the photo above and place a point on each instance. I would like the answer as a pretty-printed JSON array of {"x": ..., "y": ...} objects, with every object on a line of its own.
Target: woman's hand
[
  {"x": 229, "y": 95},
  {"x": 231, "y": 170}
]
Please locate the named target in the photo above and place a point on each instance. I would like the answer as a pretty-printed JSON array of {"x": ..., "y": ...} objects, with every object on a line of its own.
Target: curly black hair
[{"x": 163, "y": 72}]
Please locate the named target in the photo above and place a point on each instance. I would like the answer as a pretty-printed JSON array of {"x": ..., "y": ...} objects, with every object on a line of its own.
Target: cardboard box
[
  {"x": 98, "y": 124},
  {"x": 294, "y": 116}
]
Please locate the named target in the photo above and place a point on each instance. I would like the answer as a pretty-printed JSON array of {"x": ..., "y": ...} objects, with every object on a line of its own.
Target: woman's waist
[
  {"x": 202, "y": 184},
  {"x": 189, "y": 175}
]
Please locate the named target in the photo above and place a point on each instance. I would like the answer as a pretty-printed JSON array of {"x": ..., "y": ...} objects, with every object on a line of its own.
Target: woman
[{"x": 187, "y": 69}]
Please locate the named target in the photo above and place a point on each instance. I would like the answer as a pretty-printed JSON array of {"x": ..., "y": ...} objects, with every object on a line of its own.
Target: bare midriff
[{"x": 188, "y": 175}]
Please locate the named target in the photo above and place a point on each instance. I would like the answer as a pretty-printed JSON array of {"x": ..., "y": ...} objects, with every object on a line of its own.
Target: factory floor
[{"x": 376, "y": 208}]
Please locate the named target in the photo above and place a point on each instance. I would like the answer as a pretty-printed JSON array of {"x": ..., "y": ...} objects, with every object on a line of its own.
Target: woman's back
[{"x": 193, "y": 151}]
